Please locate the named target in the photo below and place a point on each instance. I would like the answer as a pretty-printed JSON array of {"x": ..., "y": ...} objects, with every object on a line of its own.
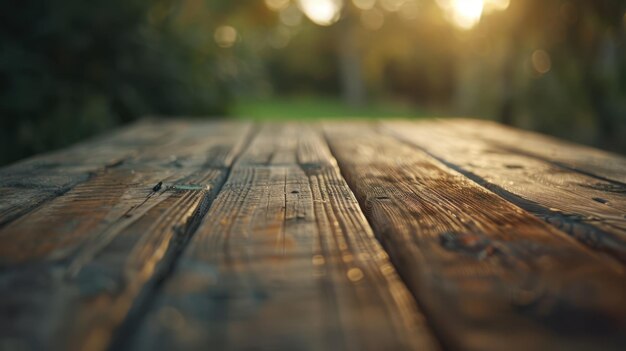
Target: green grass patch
[{"x": 282, "y": 108}]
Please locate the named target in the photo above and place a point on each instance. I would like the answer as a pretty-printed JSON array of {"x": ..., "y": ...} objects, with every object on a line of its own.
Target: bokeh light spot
[
  {"x": 392, "y": 5},
  {"x": 276, "y": 5},
  {"x": 225, "y": 36},
  {"x": 364, "y": 4},
  {"x": 541, "y": 61},
  {"x": 355, "y": 274},
  {"x": 291, "y": 16}
]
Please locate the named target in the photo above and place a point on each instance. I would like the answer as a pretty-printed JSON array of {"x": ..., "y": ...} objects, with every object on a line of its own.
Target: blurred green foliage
[
  {"x": 74, "y": 68},
  {"x": 555, "y": 66}
]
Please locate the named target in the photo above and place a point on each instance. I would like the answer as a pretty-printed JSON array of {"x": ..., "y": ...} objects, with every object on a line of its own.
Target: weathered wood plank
[
  {"x": 488, "y": 275},
  {"x": 590, "y": 209},
  {"x": 111, "y": 194},
  {"x": 284, "y": 260},
  {"x": 601, "y": 164},
  {"x": 27, "y": 184},
  {"x": 73, "y": 268}
]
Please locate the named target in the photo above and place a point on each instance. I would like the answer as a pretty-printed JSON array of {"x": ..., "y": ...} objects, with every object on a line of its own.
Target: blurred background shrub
[{"x": 71, "y": 68}]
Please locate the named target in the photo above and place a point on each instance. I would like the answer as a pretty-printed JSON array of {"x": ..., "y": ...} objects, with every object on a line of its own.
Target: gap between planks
[
  {"x": 86, "y": 284},
  {"x": 283, "y": 157},
  {"x": 284, "y": 259},
  {"x": 588, "y": 208},
  {"x": 488, "y": 275},
  {"x": 27, "y": 184}
]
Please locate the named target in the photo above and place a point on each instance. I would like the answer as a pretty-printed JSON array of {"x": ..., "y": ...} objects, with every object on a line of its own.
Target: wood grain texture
[
  {"x": 284, "y": 260},
  {"x": 71, "y": 270},
  {"x": 222, "y": 235},
  {"x": 590, "y": 209},
  {"x": 600, "y": 164},
  {"x": 27, "y": 184},
  {"x": 488, "y": 275}
]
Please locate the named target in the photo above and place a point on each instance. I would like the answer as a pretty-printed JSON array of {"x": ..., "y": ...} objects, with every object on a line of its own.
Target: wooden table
[{"x": 210, "y": 235}]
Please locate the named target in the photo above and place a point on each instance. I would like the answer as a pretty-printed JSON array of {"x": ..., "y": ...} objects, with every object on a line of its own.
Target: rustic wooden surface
[{"x": 438, "y": 234}]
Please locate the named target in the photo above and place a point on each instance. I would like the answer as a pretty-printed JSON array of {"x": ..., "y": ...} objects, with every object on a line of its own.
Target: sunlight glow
[
  {"x": 322, "y": 12},
  {"x": 465, "y": 14},
  {"x": 496, "y": 5}
]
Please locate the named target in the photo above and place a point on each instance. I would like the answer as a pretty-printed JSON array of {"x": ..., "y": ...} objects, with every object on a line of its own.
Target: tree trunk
[{"x": 352, "y": 86}]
